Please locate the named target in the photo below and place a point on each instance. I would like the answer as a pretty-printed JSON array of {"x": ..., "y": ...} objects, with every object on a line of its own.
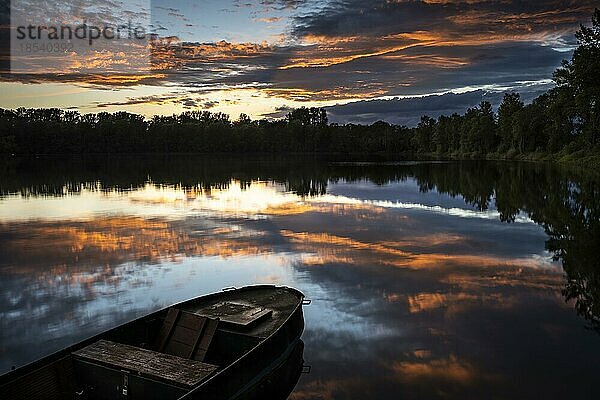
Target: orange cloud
[
  {"x": 454, "y": 303},
  {"x": 115, "y": 240},
  {"x": 430, "y": 60},
  {"x": 450, "y": 369},
  {"x": 337, "y": 93},
  {"x": 332, "y": 248},
  {"x": 330, "y": 51}
]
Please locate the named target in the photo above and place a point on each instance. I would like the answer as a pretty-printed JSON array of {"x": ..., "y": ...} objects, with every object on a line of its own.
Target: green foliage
[
  {"x": 424, "y": 138},
  {"x": 308, "y": 116},
  {"x": 579, "y": 79},
  {"x": 508, "y": 112},
  {"x": 53, "y": 131}
]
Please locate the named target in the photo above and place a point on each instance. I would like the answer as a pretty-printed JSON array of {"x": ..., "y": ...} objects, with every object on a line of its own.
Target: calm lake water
[{"x": 428, "y": 280}]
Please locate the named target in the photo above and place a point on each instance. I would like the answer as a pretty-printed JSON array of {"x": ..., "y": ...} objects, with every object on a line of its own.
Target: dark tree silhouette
[{"x": 564, "y": 121}]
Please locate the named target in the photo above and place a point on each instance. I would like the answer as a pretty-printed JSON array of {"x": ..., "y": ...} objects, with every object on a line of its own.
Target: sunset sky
[{"x": 264, "y": 57}]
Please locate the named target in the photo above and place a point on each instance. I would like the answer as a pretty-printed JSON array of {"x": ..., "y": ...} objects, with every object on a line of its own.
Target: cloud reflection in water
[{"x": 407, "y": 299}]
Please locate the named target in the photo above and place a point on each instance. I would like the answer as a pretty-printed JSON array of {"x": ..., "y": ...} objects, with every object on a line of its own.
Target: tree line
[{"x": 565, "y": 119}]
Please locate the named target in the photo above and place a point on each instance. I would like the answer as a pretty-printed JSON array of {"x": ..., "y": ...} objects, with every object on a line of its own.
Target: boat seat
[
  {"x": 186, "y": 335},
  {"x": 143, "y": 362}
]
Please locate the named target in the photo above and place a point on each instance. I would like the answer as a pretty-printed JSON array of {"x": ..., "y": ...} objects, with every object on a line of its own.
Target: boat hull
[{"x": 61, "y": 375}]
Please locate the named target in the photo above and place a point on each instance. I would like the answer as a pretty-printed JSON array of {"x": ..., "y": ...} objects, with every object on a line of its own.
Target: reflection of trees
[
  {"x": 54, "y": 177},
  {"x": 565, "y": 203},
  {"x": 574, "y": 231}
]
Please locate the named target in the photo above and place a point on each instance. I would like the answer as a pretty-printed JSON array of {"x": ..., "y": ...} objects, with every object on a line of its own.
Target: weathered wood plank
[
  {"x": 178, "y": 349},
  {"x": 190, "y": 321},
  {"x": 165, "y": 330},
  {"x": 147, "y": 362},
  {"x": 237, "y": 314},
  {"x": 198, "y": 337},
  {"x": 206, "y": 339},
  {"x": 185, "y": 335}
]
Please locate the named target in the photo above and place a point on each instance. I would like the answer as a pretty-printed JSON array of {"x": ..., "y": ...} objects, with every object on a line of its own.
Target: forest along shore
[{"x": 562, "y": 124}]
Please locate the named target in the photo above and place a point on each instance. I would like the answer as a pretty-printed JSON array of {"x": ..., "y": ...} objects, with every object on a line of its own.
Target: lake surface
[{"x": 428, "y": 280}]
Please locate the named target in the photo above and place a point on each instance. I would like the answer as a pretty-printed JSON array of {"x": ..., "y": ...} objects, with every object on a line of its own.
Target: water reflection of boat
[
  {"x": 228, "y": 345},
  {"x": 281, "y": 380}
]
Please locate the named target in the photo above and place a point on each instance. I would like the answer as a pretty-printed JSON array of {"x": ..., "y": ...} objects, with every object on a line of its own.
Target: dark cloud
[
  {"x": 280, "y": 112},
  {"x": 351, "y": 49},
  {"x": 425, "y": 70},
  {"x": 422, "y": 70},
  {"x": 282, "y": 4},
  {"x": 452, "y": 18},
  {"x": 413, "y": 71},
  {"x": 208, "y": 104},
  {"x": 408, "y": 111},
  {"x": 155, "y": 99},
  {"x": 182, "y": 98}
]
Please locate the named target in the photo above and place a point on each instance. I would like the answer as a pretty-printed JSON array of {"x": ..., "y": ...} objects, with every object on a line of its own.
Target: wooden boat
[{"x": 220, "y": 346}]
